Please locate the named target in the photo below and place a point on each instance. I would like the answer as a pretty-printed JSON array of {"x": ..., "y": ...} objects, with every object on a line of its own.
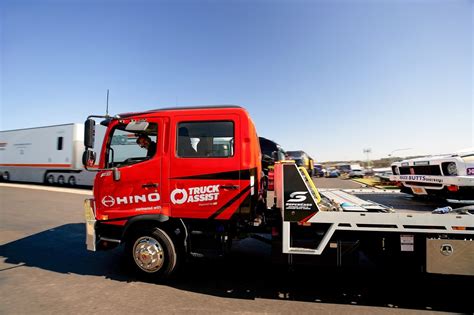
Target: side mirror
[
  {"x": 88, "y": 158},
  {"x": 116, "y": 174},
  {"x": 89, "y": 133},
  {"x": 275, "y": 156}
]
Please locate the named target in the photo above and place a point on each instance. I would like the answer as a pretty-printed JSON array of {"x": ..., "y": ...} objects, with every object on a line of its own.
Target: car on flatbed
[{"x": 448, "y": 176}]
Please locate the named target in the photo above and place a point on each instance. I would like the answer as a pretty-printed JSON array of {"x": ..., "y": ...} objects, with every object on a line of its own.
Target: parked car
[
  {"x": 318, "y": 170},
  {"x": 271, "y": 153},
  {"x": 301, "y": 158},
  {"x": 333, "y": 174},
  {"x": 356, "y": 174}
]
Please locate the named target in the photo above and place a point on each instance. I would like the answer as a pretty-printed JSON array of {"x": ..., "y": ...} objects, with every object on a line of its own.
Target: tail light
[{"x": 453, "y": 188}]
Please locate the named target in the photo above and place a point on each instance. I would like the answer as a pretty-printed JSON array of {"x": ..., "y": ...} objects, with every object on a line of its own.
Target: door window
[
  {"x": 205, "y": 139},
  {"x": 130, "y": 147}
]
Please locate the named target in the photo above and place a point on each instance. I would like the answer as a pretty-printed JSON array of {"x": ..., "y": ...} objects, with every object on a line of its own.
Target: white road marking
[{"x": 55, "y": 189}]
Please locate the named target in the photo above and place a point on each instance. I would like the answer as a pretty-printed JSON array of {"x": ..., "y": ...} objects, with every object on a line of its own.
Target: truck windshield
[{"x": 125, "y": 147}]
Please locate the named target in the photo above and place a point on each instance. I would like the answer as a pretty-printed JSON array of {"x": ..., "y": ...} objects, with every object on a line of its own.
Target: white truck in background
[
  {"x": 450, "y": 176},
  {"x": 50, "y": 155}
]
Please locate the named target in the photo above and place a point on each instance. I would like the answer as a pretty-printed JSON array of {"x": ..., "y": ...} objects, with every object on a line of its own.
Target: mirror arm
[{"x": 116, "y": 174}]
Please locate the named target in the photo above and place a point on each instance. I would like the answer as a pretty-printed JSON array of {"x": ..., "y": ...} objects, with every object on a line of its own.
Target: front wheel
[{"x": 152, "y": 254}]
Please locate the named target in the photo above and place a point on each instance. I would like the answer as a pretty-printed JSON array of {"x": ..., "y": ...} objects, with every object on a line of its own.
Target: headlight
[{"x": 450, "y": 169}]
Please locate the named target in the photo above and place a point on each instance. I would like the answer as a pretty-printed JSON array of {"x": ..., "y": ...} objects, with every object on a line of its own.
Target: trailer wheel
[
  {"x": 152, "y": 254},
  {"x": 50, "y": 179},
  {"x": 61, "y": 180},
  {"x": 6, "y": 176},
  {"x": 72, "y": 181}
]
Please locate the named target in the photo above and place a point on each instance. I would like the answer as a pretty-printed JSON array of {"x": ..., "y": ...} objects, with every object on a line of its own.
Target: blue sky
[{"x": 327, "y": 77}]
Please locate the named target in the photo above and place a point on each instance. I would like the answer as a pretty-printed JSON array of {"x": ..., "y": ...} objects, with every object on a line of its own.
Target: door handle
[
  {"x": 150, "y": 185},
  {"x": 230, "y": 187}
]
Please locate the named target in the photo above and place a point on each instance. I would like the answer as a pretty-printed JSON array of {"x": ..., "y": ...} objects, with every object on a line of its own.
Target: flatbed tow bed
[
  {"x": 392, "y": 199},
  {"x": 338, "y": 216}
]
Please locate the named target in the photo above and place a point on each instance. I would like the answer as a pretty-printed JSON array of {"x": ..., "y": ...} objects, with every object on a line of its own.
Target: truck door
[
  {"x": 138, "y": 190},
  {"x": 206, "y": 172}
]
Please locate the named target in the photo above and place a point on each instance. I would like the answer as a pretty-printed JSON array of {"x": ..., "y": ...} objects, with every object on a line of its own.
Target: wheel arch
[{"x": 175, "y": 228}]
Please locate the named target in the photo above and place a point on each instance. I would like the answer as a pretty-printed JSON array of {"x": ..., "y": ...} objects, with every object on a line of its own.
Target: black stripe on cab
[{"x": 215, "y": 214}]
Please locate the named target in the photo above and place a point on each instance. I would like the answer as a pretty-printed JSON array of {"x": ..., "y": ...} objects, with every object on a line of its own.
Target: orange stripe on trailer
[{"x": 37, "y": 165}]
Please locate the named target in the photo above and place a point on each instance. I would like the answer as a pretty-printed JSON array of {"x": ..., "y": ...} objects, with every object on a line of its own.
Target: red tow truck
[{"x": 198, "y": 186}]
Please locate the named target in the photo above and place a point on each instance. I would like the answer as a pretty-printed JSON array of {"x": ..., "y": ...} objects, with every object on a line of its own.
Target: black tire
[
  {"x": 72, "y": 181},
  {"x": 49, "y": 179},
  {"x": 61, "y": 180},
  {"x": 152, "y": 254}
]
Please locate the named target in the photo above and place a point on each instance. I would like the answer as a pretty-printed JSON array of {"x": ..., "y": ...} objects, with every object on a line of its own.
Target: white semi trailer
[{"x": 50, "y": 155}]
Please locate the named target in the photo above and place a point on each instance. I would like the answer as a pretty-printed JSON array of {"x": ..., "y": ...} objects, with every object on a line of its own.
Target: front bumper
[
  {"x": 431, "y": 180},
  {"x": 437, "y": 186},
  {"x": 91, "y": 237}
]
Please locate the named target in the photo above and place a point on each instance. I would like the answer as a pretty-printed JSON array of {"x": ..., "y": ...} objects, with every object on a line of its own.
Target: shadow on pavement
[
  {"x": 251, "y": 276},
  {"x": 247, "y": 273},
  {"x": 62, "y": 249}
]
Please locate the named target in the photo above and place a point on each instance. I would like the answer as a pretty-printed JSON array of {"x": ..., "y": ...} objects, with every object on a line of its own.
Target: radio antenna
[{"x": 107, "y": 107}]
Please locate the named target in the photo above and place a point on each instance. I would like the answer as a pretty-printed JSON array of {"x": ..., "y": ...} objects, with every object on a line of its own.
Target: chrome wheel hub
[{"x": 148, "y": 254}]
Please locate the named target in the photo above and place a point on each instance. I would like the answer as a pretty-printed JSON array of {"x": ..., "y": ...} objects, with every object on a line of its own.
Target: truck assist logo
[
  {"x": 110, "y": 201},
  {"x": 195, "y": 194}
]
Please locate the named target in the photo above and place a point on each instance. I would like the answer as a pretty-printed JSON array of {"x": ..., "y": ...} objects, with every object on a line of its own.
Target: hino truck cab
[{"x": 200, "y": 181}]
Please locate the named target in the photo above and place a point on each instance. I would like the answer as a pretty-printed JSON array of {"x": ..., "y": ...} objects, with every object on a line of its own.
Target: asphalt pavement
[{"x": 45, "y": 269}]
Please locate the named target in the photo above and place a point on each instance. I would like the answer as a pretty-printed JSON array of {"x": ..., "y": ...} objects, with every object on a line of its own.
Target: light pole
[
  {"x": 367, "y": 151},
  {"x": 399, "y": 150}
]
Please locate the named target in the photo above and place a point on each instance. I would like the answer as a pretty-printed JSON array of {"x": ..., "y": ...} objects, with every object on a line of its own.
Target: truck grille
[{"x": 421, "y": 170}]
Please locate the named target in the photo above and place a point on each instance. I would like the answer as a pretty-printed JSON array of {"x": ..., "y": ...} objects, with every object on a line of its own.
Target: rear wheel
[
  {"x": 152, "y": 254},
  {"x": 72, "y": 181},
  {"x": 50, "y": 179},
  {"x": 61, "y": 180}
]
